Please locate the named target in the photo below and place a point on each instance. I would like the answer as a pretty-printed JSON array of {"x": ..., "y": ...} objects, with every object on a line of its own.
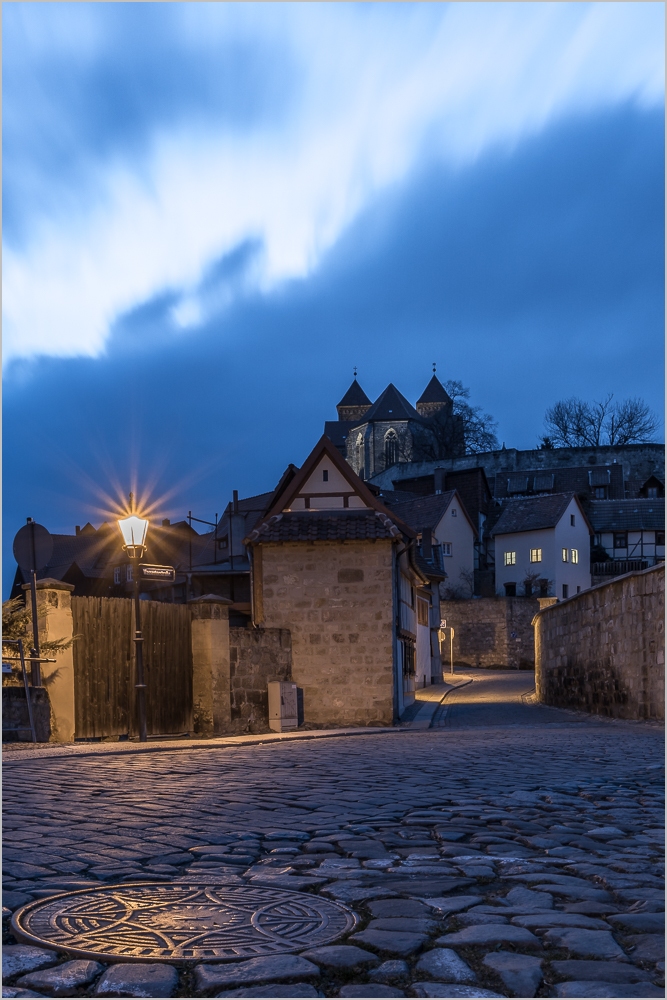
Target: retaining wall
[
  {"x": 491, "y": 632},
  {"x": 603, "y": 650},
  {"x": 256, "y": 656}
]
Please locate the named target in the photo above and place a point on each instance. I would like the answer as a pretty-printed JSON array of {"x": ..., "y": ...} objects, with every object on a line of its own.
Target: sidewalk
[{"x": 428, "y": 700}]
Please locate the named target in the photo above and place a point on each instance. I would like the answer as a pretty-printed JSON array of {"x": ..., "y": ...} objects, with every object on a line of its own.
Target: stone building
[{"x": 330, "y": 562}]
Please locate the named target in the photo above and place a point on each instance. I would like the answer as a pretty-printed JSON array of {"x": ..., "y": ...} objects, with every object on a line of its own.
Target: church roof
[
  {"x": 355, "y": 396},
  {"x": 391, "y": 405},
  {"x": 434, "y": 392}
]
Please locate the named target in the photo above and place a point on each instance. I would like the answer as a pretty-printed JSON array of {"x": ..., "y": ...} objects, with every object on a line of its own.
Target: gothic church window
[{"x": 390, "y": 448}]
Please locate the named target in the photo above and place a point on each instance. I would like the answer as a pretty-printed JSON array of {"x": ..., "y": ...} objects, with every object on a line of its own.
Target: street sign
[
  {"x": 166, "y": 574},
  {"x": 33, "y": 547},
  {"x": 443, "y": 623}
]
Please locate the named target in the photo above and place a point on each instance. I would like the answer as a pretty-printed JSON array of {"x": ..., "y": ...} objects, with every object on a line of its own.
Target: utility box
[{"x": 283, "y": 710}]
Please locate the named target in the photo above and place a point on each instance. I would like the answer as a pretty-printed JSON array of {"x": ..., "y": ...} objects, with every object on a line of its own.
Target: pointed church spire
[
  {"x": 354, "y": 403},
  {"x": 434, "y": 397}
]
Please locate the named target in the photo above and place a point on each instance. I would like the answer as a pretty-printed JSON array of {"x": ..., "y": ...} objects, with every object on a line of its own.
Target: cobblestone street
[{"x": 509, "y": 850}]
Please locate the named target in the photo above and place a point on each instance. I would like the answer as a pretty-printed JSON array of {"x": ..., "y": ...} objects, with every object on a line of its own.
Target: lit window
[
  {"x": 116, "y": 574},
  {"x": 510, "y": 558},
  {"x": 575, "y": 555},
  {"x": 446, "y": 548},
  {"x": 454, "y": 512},
  {"x": 566, "y": 555},
  {"x": 536, "y": 555},
  {"x": 128, "y": 574},
  {"x": 325, "y": 475},
  {"x": 572, "y": 520}
]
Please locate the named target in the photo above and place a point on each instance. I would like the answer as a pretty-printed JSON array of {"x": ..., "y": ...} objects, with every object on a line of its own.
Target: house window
[
  {"x": 412, "y": 597},
  {"x": 510, "y": 590},
  {"x": 574, "y": 554},
  {"x": 408, "y": 657},
  {"x": 620, "y": 539},
  {"x": 566, "y": 555},
  {"x": 325, "y": 475},
  {"x": 566, "y": 591},
  {"x": 129, "y": 574},
  {"x": 422, "y": 611},
  {"x": 390, "y": 449},
  {"x": 454, "y": 512},
  {"x": 116, "y": 574},
  {"x": 223, "y": 543},
  {"x": 510, "y": 558},
  {"x": 652, "y": 492},
  {"x": 572, "y": 520},
  {"x": 659, "y": 538},
  {"x": 437, "y": 555},
  {"x": 446, "y": 548},
  {"x": 536, "y": 555},
  {"x": 601, "y": 492}
]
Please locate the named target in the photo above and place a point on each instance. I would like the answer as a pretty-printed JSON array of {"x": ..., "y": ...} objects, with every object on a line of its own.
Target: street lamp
[{"x": 134, "y": 530}]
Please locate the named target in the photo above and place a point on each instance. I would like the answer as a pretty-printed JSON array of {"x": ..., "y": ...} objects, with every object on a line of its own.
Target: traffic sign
[{"x": 33, "y": 547}]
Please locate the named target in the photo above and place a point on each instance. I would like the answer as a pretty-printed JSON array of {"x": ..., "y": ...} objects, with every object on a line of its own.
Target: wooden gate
[{"x": 104, "y": 692}]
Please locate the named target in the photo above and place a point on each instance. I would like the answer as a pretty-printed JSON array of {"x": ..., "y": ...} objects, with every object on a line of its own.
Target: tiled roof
[
  {"x": 355, "y": 396},
  {"x": 532, "y": 513},
  {"x": 434, "y": 392},
  {"x": 580, "y": 479},
  {"x": 311, "y": 526},
  {"x": 627, "y": 515},
  {"x": 423, "y": 512},
  {"x": 390, "y": 405}
]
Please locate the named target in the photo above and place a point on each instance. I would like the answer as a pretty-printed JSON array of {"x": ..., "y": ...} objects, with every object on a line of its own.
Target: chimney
[
  {"x": 235, "y": 495},
  {"x": 439, "y": 480},
  {"x": 166, "y": 523},
  {"x": 77, "y": 529},
  {"x": 427, "y": 544}
]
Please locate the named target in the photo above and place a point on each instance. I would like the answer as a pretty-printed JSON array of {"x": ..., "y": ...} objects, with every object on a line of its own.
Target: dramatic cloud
[{"x": 145, "y": 141}]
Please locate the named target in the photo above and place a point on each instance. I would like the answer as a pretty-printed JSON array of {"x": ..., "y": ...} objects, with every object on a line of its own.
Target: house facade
[
  {"x": 628, "y": 535},
  {"x": 341, "y": 571},
  {"x": 542, "y": 547}
]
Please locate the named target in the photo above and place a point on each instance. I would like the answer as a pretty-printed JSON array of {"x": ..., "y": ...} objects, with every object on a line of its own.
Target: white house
[{"x": 542, "y": 547}]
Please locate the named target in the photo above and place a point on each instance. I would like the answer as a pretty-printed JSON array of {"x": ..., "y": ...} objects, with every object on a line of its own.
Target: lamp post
[{"x": 134, "y": 529}]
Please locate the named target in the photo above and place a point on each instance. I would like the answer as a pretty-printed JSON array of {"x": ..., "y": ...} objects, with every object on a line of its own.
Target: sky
[{"x": 213, "y": 212}]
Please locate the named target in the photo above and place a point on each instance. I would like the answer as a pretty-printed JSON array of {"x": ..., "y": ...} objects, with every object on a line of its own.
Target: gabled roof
[
  {"x": 390, "y": 405},
  {"x": 325, "y": 526},
  {"x": 535, "y": 513},
  {"x": 628, "y": 515},
  {"x": 293, "y": 480},
  {"x": 355, "y": 396},
  {"x": 426, "y": 512},
  {"x": 434, "y": 392}
]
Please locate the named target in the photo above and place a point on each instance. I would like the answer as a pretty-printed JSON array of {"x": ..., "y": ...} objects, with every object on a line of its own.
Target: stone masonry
[
  {"x": 256, "y": 656},
  {"x": 491, "y": 632},
  {"x": 603, "y": 650},
  {"x": 336, "y": 599}
]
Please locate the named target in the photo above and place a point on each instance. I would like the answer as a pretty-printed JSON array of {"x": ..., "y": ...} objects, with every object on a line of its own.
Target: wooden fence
[{"x": 104, "y": 690}]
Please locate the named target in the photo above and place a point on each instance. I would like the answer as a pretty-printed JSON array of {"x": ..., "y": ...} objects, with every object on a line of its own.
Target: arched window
[
  {"x": 360, "y": 456},
  {"x": 390, "y": 448}
]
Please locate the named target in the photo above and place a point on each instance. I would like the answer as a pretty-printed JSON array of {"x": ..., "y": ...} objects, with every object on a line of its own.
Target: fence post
[
  {"x": 54, "y": 615},
  {"x": 211, "y": 699}
]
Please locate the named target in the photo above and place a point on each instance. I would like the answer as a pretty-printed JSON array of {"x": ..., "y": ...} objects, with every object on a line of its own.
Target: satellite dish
[{"x": 33, "y": 547}]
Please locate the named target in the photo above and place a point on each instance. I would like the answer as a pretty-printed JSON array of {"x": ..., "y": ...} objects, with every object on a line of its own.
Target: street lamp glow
[{"x": 133, "y": 529}]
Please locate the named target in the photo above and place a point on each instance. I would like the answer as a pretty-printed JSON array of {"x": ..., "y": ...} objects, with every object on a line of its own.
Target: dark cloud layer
[{"x": 532, "y": 275}]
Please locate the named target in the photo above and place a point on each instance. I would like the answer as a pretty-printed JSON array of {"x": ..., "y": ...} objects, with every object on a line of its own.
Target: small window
[
  {"x": 325, "y": 475},
  {"x": 601, "y": 492},
  {"x": 578, "y": 590},
  {"x": 566, "y": 555},
  {"x": 223, "y": 543},
  {"x": 422, "y": 611},
  {"x": 116, "y": 574},
  {"x": 652, "y": 492},
  {"x": 454, "y": 512},
  {"x": 574, "y": 555},
  {"x": 437, "y": 555},
  {"x": 129, "y": 576},
  {"x": 446, "y": 548},
  {"x": 659, "y": 538},
  {"x": 510, "y": 558},
  {"x": 620, "y": 539},
  {"x": 566, "y": 591},
  {"x": 536, "y": 555},
  {"x": 510, "y": 590},
  {"x": 572, "y": 520}
]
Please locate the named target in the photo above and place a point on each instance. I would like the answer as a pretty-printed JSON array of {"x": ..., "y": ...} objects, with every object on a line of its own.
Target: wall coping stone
[
  {"x": 658, "y": 568},
  {"x": 210, "y": 599},
  {"x": 50, "y": 584}
]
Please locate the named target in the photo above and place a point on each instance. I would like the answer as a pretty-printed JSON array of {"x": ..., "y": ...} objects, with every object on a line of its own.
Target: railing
[{"x": 617, "y": 567}]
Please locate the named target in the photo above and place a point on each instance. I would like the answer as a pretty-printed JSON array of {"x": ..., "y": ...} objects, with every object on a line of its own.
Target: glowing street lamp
[{"x": 134, "y": 530}]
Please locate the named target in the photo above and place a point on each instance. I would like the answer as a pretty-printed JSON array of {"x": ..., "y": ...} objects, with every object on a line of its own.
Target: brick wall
[
  {"x": 603, "y": 650},
  {"x": 336, "y": 599},
  {"x": 491, "y": 632},
  {"x": 256, "y": 656}
]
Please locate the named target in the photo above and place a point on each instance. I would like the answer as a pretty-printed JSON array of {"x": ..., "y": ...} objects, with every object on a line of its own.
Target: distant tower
[
  {"x": 355, "y": 403},
  {"x": 434, "y": 398}
]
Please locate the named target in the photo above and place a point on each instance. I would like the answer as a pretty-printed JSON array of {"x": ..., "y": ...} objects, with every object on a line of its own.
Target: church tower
[
  {"x": 433, "y": 399},
  {"x": 354, "y": 404}
]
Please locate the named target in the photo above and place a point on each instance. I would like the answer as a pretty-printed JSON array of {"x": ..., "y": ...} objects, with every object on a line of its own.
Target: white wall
[
  {"x": 552, "y": 567},
  {"x": 456, "y": 529}
]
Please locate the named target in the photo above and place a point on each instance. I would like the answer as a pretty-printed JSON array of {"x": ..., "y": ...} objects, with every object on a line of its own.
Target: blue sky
[{"x": 212, "y": 212}]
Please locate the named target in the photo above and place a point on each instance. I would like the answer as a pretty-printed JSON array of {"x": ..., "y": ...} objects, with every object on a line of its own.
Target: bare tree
[
  {"x": 460, "y": 430},
  {"x": 479, "y": 428},
  {"x": 575, "y": 423}
]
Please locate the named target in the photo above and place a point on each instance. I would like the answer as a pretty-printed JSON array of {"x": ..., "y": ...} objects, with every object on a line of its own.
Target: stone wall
[
  {"x": 603, "y": 650},
  {"x": 491, "y": 632},
  {"x": 256, "y": 656},
  {"x": 15, "y": 717},
  {"x": 337, "y": 601}
]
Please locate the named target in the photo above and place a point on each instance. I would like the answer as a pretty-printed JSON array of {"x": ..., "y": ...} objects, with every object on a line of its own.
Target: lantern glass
[{"x": 133, "y": 529}]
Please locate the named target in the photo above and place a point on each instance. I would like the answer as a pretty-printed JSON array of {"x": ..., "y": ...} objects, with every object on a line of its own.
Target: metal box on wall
[{"x": 283, "y": 711}]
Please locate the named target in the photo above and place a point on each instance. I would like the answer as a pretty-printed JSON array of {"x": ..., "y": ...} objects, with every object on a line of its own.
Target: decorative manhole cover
[{"x": 176, "y": 922}]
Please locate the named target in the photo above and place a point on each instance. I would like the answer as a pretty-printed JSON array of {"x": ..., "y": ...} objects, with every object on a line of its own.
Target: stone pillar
[
  {"x": 54, "y": 616},
  {"x": 211, "y": 698}
]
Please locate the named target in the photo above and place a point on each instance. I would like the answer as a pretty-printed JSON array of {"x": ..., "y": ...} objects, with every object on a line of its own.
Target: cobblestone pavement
[{"x": 510, "y": 850}]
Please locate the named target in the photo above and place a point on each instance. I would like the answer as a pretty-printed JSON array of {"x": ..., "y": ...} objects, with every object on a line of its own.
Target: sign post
[{"x": 33, "y": 547}]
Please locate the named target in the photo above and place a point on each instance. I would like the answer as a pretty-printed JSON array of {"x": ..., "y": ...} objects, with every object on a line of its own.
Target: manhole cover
[{"x": 167, "y": 923}]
